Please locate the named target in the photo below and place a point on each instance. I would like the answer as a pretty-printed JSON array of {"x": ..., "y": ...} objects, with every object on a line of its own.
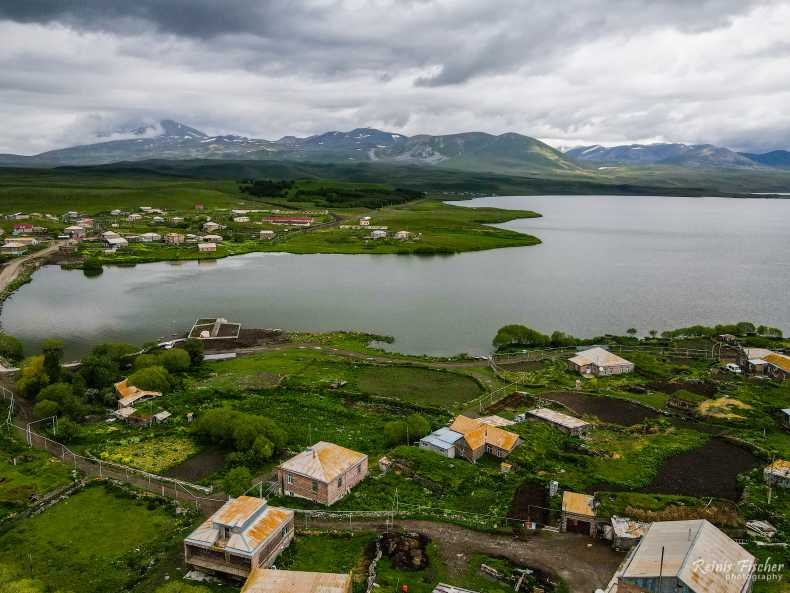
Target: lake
[{"x": 607, "y": 263}]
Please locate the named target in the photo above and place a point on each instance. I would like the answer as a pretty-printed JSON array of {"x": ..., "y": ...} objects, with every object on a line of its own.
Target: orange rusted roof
[
  {"x": 778, "y": 360},
  {"x": 290, "y": 581},
  {"x": 324, "y": 461},
  {"x": 780, "y": 467},
  {"x": 478, "y": 433},
  {"x": 128, "y": 394},
  {"x": 578, "y": 504},
  {"x": 237, "y": 511}
]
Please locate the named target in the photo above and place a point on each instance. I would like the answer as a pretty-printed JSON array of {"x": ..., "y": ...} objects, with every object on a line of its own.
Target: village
[{"x": 639, "y": 454}]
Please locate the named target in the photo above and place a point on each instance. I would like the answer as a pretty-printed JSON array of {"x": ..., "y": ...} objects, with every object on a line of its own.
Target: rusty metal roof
[
  {"x": 558, "y": 418},
  {"x": 477, "y": 432},
  {"x": 251, "y": 522},
  {"x": 780, "y": 467},
  {"x": 778, "y": 360},
  {"x": 323, "y": 461},
  {"x": 578, "y": 504},
  {"x": 696, "y": 552},
  {"x": 128, "y": 394},
  {"x": 291, "y": 581}
]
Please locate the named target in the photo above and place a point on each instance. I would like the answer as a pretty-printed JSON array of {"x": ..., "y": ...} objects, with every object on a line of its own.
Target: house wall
[
  {"x": 318, "y": 491},
  {"x": 448, "y": 452},
  {"x": 467, "y": 453},
  {"x": 668, "y": 584},
  {"x": 578, "y": 524}
]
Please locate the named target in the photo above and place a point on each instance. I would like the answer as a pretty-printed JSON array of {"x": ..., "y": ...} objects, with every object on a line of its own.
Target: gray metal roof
[{"x": 444, "y": 438}]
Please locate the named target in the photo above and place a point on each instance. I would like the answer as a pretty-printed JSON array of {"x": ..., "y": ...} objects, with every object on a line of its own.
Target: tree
[
  {"x": 46, "y": 408},
  {"x": 146, "y": 360},
  {"x": 175, "y": 360},
  {"x": 559, "y": 338},
  {"x": 32, "y": 378},
  {"x": 194, "y": 347},
  {"x": 56, "y": 392},
  {"x": 11, "y": 348},
  {"x": 99, "y": 370},
  {"x": 745, "y": 328},
  {"x": 653, "y": 333},
  {"x": 68, "y": 430},
  {"x": 154, "y": 378},
  {"x": 262, "y": 450},
  {"x": 418, "y": 426},
  {"x": 631, "y": 331},
  {"x": 395, "y": 432},
  {"x": 53, "y": 357},
  {"x": 237, "y": 481},
  {"x": 520, "y": 335}
]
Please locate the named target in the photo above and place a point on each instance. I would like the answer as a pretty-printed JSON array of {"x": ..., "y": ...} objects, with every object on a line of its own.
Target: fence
[{"x": 162, "y": 485}]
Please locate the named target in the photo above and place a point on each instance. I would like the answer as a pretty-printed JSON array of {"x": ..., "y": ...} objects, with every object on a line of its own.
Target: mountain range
[{"x": 471, "y": 151}]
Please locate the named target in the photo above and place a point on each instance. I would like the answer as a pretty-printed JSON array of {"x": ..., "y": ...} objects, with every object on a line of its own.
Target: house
[
  {"x": 241, "y": 219},
  {"x": 18, "y": 216},
  {"x": 324, "y": 473},
  {"x": 74, "y": 231},
  {"x": 266, "y": 235},
  {"x": 599, "y": 362},
  {"x": 134, "y": 217},
  {"x": 364, "y": 221},
  {"x": 213, "y": 238},
  {"x": 207, "y": 247},
  {"x": 129, "y": 394},
  {"x": 445, "y": 588},
  {"x": 784, "y": 418},
  {"x": 564, "y": 422},
  {"x": 378, "y": 235},
  {"x": 116, "y": 242},
  {"x": 22, "y": 228},
  {"x": 13, "y": 248},
  {"x": 403, "y": 235},
  {"x": 480, "y": 438},
  {"x": 263, "y": 580},
  {"x": 778, "y": 365},
  {"x": 85, "y": 223},
  {"x": 160, "y": 417},
  {"x": 290, "y": 220},
  {"x": 177, "y": 219},
  {"x": 625, "y": 532},
  {"x": 778, "y": 473},
  {"x": 174, "y": 238},
  {"x": 146, "y": 209},
  {"x": 442, "y": 441},
  {"x": 243, "y": 535},
  {"x": 26, "y": 241},
  {"x": 578, "y": 513},
  {"x": 199, "y": 206},
  {"x": 689, "y": 557},
  {"x": 211, "y": 226},
  {"x": 157, "y": 219},
  {"x": 150, "y": 237},
  {"x": 115, "y": 212},
  {"x": 496, "y": 421}
]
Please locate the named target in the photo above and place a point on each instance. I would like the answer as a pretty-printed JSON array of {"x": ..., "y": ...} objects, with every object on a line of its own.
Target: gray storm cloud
[{"x": 579, "y": 71}]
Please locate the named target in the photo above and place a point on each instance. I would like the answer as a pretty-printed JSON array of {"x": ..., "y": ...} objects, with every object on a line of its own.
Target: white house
[
  {"x": 150, "y": 237},
  {"x": 241, "y": 219},
  {"x": 134, "y": 217},
  {"x": 599, "y": 362},
  {"x": 266, "y": 235},
  {"x": 211, "y": 226},
  {"x": 379, "y": 234}
]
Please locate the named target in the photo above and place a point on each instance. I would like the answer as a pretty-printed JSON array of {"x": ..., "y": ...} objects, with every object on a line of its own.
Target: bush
[
  {"x": 237, "y": 481},
  {"x": 146, "y": 360},
  {"x": 519, "y": 335},
  {"x": 33, "y": 377},
  {"x": 400, "y": 432},
  {"x": 99, "y": 371},
  {"x": 256, "y": 437},
  {"x": 194, "y": 347},
  {"x": 57, "y": 392},
  {"x": 155, "y": 378},
  {"x": 46, "y": 408},
  {"x": 175, "y": 360},
  {"x": 11, "y": 348}
]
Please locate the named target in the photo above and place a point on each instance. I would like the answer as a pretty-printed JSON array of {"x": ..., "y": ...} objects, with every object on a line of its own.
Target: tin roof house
[
  {"x": 480, "y": 438},
  {"x": 778, "y": 473},
  {"x": 243, "y": 535},
  {"x": 687, "y": 556},
  {"x": 323, "y": 473},
  {"x": 599, "y": 362},
  {"x": 129, "y": 394}
]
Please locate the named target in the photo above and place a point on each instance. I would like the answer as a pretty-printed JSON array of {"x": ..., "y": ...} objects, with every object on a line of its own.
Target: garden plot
[{"x": 606, "y": 409}]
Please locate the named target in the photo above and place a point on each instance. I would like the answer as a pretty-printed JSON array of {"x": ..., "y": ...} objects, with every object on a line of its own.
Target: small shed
[
  {"x": 266, "y": 235},
  {"x": 378, "y": 235},
  {"x": 626, "y": 532},
  {"x": 578, "y": 513},
  {"x": 442, "y": 441},
  {"x": 571, "y": 425},
  {"x": 403, "y": 235},
  {"x": 778, "y": 473},
  {"x": 160, "y": 417},
  {"x": 207, "y": 247}
]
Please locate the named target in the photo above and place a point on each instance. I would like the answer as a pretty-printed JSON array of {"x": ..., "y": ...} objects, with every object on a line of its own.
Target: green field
[{"x": 94, "y": 542}]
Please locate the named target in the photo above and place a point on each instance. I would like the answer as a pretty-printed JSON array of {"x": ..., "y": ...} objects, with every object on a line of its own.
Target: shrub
[
  {"x": 33, "y": 377},
  {"x": 11, "y": 348},
  {"x": 194, "y": 348},
  {"x": 46, "y": 408},
  {"x": 146, "y": 360},
  {"x": 57, "y": 392},
  {"x": 237, "y": 481},
  {"x": 154, "y": 378},
  {"x": 175, "y": 360},
  {"x": 519, "y": 335}
]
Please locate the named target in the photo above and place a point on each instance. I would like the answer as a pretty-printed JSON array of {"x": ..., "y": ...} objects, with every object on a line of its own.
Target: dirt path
[
  {"x": 583, "y": 563},
  {"x": 11, "y": 270}
]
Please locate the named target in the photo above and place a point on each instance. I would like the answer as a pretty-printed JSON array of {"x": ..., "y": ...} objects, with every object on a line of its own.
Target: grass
[
  {"x": 418, "y": 385},
  {"x": 93, "y": 542},
  {"x": 337, "y": 552},
  {"x": 35, "y": 474},
  {"x": 151, "y": 454}
]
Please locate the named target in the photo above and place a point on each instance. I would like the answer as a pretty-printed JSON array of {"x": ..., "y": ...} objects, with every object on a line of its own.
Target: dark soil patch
[
  {"x": 699, "y": 387},
  {"x": 709, "y": 470},
  {"x": 406, "y": 550},
  {"x": 199, "y": 467},
  {"x": 515, "y": 400},
  {"x": 530, "y": 502},
  {"x": 616, "y": 411}
]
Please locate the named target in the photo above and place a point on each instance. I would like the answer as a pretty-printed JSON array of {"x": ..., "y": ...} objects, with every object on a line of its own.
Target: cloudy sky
[{"x": 568, "y": 72}]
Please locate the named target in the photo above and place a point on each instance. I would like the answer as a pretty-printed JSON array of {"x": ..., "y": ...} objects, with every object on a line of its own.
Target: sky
[{"x": 573, "y": 72}]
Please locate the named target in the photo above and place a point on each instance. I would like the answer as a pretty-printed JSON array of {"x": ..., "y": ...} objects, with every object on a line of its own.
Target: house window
[
  {"x": 289, "y": 479},
  {"x": 340, "y": 482},
  {"x": 359, "y": 469},
  {"x": 315, "y": 486}
]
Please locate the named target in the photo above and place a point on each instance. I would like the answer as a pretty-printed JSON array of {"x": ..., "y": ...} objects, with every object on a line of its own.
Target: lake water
[{"x": 607, "y": 263}]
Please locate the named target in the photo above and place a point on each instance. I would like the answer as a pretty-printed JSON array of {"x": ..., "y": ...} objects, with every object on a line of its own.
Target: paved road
[{"x": 585, "y": 564}]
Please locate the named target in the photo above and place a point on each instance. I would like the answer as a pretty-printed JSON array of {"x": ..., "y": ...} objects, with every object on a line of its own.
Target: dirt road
[
  {"x": 11, "y": 270},
  {"x": 583, "y": 563}
]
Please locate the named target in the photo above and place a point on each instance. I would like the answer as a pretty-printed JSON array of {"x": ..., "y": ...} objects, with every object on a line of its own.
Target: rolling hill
[{"x": 683, "y": 155}]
